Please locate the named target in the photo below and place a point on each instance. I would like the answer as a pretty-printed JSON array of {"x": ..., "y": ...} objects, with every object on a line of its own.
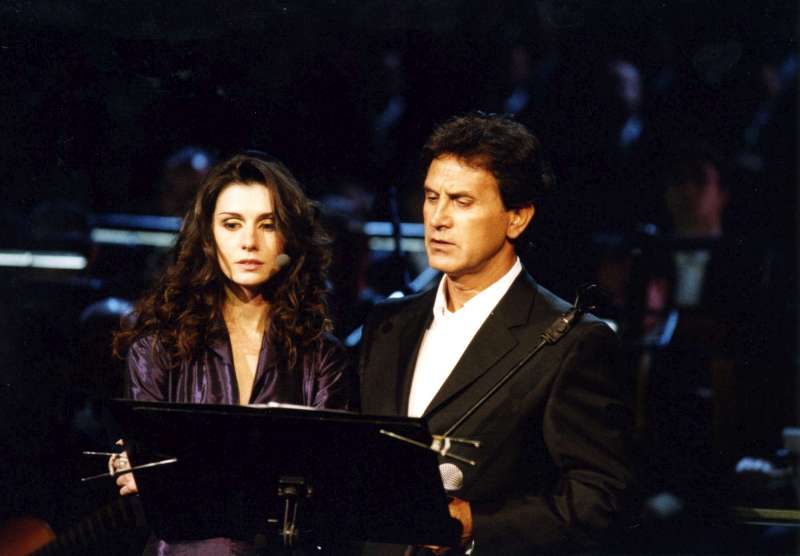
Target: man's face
[
  {"x": 698, "y": 203},
  {"x": 467, "y": 228}
]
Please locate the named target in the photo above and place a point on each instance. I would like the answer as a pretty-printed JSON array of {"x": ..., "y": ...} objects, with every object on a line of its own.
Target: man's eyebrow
[
  {"x": 462, "y": 193},
  {"x": 451, "y": 194}
]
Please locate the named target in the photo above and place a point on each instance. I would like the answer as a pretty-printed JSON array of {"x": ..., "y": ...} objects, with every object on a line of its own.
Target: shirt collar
[{"x": 489, "y": 297}]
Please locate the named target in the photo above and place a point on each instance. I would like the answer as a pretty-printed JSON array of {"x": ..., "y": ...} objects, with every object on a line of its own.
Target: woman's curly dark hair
[{"x": 183, "y": 312}]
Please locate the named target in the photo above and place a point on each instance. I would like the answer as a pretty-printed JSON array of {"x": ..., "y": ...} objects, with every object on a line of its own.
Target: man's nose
[{"x": 440, "y": 217}]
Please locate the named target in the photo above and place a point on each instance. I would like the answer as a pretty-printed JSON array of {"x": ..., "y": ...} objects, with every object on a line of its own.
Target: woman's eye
[
  {"x": 230, "y": 225},
  {"x": 268, "y": 226}
]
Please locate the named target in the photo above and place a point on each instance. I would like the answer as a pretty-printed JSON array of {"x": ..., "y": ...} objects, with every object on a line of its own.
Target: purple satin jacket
[{"x": 323, "y": 379}]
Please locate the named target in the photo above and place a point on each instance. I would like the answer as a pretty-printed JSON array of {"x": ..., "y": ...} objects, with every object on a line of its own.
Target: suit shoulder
[
  {"x": 550, "y": 301},
  {"x": 553, "y": 306},
  {"x": 393, "y": 305}
]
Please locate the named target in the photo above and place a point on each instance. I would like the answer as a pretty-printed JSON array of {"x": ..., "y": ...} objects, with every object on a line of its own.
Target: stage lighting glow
[
  {"x": 133, "y": 237},
  {"x": 30, "y": 259},
  {"x": 407, "y": 229}
]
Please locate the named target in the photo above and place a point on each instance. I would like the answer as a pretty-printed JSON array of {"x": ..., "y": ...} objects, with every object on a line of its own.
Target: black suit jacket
[{"x": 554, "y": 467}]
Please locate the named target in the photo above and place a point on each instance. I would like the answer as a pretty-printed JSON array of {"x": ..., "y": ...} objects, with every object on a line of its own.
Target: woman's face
[{"x": 246, "y": 235}]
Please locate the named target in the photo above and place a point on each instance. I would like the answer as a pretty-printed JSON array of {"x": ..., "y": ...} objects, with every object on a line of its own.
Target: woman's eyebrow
[{"x": 262, "y": 216}]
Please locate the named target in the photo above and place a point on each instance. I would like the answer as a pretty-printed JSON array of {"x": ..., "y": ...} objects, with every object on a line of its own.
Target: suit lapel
[
  {"x": 409, "y": 342},
  {"x": 491, "y": 343}
]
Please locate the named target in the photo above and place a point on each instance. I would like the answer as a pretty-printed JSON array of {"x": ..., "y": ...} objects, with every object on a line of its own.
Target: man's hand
[{"x": 460, "y": 510}]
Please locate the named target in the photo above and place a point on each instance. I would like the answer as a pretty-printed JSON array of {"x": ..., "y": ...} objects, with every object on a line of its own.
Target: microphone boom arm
[{"x": 437, "y": 447}]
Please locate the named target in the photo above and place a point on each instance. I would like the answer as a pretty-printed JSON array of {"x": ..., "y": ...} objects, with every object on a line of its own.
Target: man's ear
[{"x": 519, "y": 218}]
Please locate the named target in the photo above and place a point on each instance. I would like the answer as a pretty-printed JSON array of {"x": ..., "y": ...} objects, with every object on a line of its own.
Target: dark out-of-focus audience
[{"x": 703, "y": 309}]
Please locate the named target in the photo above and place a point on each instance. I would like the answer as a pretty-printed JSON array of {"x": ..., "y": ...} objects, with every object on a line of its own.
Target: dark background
[{"x": 94, "y": 96}]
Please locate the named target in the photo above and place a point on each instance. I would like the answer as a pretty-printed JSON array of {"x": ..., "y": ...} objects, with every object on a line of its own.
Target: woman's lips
[{"x": 250, "y": 264}]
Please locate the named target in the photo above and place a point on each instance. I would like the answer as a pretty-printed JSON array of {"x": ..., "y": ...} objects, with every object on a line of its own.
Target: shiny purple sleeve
[
  {"x": 330, "y": 380},
  {"x": 147, "y": 381}
]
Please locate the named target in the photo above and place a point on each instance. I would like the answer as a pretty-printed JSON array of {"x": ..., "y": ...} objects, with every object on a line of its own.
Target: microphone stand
[{"x": 440, "y": 445}]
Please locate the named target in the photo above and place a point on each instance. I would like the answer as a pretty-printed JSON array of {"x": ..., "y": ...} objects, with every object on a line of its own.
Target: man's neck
[{"x": 459, "y": 290}]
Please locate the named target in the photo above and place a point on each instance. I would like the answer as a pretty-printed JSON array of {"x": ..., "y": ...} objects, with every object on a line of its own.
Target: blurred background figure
[
  {"x": 625, "y": 143},
  {"x": 528, "y": 88},
  {"x": 393, "y": 137},
  {"x": 183, "y": 172},
  {"x": 624, "y": 110},
  {"x": 392, "y": 111},
  {"x": 345, "y": 212},
  {"x": 703, "y": 310},
  {"x": 695, "y": 199},
  {"x": 519, "y": 72}
]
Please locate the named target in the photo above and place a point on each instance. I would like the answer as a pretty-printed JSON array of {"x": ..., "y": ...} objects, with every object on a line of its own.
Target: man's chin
[
  {"x": 442, "y": 264},
  {"x": 451, "y": 268}
]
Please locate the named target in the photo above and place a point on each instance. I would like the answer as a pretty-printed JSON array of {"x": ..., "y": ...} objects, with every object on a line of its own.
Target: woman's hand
[{"x": 118, "y": 463}]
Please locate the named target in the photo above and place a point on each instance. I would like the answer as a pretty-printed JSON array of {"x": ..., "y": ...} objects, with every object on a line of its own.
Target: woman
[{"x": 240, "y": 316}]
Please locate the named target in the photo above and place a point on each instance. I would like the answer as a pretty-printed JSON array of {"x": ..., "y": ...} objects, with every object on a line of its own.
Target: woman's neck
[{"x": 245, "y": 312}]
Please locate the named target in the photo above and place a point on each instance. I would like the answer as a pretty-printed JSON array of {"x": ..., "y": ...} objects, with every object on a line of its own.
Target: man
[
  {"x": 553, "y": 468},
  {"x": 727, "y": 286}
]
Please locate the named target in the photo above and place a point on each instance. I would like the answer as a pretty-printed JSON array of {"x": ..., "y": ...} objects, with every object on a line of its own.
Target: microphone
[
  {"x": 452, "y": 477},
  {"x": 282, "y": 260},
  {"x": 588, "y": 298}
]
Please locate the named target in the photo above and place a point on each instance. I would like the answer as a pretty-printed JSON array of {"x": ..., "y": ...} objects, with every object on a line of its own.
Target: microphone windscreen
[
  {"x": 452, "y": 477},
  {"x": 282, "y": 260}
]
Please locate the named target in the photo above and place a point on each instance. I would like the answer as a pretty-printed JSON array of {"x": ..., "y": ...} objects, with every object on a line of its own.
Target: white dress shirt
[
  {"x": 690, "y": 271},
  {"x": 448, "y": 336}
]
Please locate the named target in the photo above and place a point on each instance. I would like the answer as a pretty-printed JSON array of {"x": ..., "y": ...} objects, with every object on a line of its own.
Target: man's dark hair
[{"x": 499, "y": 145}]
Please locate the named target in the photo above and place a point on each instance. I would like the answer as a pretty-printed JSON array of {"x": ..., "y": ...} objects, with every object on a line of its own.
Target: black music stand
[{"x": 284, "y": 473}]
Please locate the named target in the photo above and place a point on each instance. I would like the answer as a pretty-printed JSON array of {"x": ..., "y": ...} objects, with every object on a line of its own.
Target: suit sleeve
[{"x": 586, "y": 428}]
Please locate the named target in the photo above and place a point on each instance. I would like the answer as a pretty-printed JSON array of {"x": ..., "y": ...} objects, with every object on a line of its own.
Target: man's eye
[
  {"x": 431, "y": 197},
  {"x": 463, "y": 202}
]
